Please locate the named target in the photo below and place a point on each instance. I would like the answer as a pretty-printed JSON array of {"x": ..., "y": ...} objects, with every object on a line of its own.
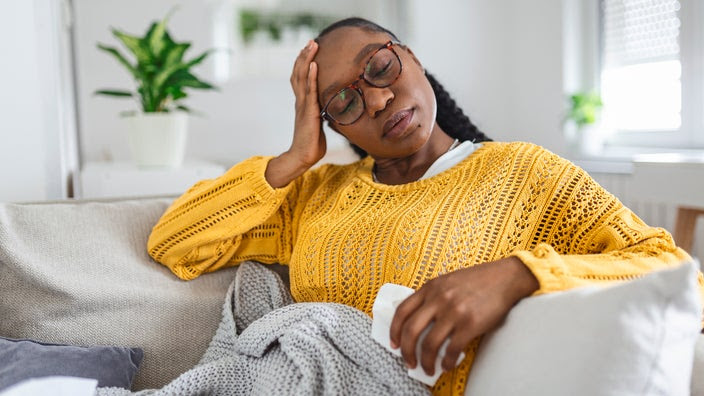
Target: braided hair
[{"x": 449, "y": 116}]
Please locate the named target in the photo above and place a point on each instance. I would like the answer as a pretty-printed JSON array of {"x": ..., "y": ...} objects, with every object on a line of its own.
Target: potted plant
[
  {"x": 157, "y": 132},
  {"x": 584, "y": 110}
]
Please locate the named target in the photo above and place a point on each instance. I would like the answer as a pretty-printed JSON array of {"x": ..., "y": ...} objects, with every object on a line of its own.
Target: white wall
[
  {"x": 501, "y": 59},
  {"x": 37, "y": 154},
  {"x": 22, "y": 152}
]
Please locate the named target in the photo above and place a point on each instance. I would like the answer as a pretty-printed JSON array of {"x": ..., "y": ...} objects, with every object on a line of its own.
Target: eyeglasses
[{"x": 382, "y": 70}]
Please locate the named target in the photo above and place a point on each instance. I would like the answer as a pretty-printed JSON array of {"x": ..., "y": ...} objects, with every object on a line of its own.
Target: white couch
[{"x": 77, "y": 272}]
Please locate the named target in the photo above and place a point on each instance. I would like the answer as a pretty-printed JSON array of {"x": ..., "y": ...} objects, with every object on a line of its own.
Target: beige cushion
[
  {"x": 634, "y": 338},
  {"x": 78, "y": 273}
]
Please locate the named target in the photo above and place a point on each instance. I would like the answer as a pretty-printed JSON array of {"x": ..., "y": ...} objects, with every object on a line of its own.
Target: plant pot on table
[{"x": 158, "y": 140}]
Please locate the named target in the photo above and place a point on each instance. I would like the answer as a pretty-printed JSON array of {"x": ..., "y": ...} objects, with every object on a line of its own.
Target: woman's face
[{"x": 399, "y": 119}]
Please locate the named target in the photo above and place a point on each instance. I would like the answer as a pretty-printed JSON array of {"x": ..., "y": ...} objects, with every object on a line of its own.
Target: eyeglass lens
[{"x": 381, "y": 71}]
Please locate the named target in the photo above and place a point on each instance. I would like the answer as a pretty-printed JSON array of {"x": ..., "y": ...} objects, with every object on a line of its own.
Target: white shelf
[{"x": 124, "y": 179}]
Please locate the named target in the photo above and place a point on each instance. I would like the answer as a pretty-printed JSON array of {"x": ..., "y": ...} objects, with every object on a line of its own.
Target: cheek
[
  {"x": 425, "y": 98},
  {"x": 355, "y": 135},
  {"x": 420, "y": 90}
]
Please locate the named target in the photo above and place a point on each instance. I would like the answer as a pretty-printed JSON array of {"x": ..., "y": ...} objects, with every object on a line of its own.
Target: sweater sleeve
[
  {"x": 594, "y": 238},
  {"x": 236, "y": 217}
]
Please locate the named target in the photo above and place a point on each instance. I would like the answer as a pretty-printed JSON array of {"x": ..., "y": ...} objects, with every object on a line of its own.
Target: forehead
[{"x": 337, "y": 53}]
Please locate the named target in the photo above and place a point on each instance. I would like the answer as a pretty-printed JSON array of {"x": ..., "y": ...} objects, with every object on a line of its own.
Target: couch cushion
[
  {"x": 78, "y": 273},
  {"x": 24, "y": 359},
  {"x": 634, "y": 338}
]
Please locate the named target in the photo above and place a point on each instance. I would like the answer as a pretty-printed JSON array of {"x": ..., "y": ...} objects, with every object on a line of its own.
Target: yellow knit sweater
[{"x": 344, "y": 235}]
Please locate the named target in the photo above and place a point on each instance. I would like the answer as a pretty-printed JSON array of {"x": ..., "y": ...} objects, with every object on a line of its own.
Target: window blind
[
  {"x": 640, "y": 31},
  {"x": 641, "y": 69}
]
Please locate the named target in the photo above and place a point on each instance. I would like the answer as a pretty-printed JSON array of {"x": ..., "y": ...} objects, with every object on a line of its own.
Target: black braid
[{"x": 449, "y": 116}]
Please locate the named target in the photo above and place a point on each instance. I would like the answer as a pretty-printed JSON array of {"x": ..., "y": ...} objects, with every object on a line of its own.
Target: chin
[{"x": 422, "y": 134}]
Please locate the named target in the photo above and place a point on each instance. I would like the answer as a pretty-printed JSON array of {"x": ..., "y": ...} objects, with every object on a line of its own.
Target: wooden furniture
[{"x": 685, "y": 224}]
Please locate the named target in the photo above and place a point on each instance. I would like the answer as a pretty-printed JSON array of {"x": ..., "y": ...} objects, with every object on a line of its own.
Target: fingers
[
  {"x": 299, "y": 76},
  {"x": 406, "y": 308},
  {"x": 411, "y": 332},
  {"x": 412, "y": 316},
  {"x": 430, "y": 347},
  {"x": 456, "y": 346},
  {"x": 312, "y": 85}
]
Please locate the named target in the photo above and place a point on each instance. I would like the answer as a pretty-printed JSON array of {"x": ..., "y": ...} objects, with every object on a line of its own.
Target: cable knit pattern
[
  {"x": 344, "y": 235},
  {"x": 267, "y": 346}
]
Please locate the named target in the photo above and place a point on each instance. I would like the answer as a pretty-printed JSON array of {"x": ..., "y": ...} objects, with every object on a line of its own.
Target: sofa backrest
[{"x": 78, "y": 273}]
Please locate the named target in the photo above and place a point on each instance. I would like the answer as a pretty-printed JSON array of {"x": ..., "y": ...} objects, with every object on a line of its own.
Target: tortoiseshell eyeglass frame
[{"x": 355, "y": 85}]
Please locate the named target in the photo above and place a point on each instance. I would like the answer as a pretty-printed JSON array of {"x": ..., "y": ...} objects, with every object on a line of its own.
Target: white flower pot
[
  {"x": 591, "y": 140},
  {"x": 158, "y": 139},
  {"x": 587, "y": 141}
]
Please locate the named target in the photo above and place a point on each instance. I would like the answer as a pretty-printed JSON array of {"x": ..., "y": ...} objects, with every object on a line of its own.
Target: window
[{"x": 651, "y": 72}]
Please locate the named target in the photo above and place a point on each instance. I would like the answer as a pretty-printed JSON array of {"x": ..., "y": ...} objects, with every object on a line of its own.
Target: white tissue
[{"x": 385, "y": 304}]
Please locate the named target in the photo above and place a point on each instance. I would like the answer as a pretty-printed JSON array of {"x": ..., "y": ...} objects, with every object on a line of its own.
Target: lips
[{"x": 397, "y": 123}]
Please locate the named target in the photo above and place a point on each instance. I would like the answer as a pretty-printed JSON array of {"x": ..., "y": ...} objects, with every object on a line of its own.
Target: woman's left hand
[{"x": 462, "y": 305}]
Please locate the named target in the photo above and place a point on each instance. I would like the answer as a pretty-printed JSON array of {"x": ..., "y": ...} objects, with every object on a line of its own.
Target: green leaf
[
  {"x": 114, "y": 92},
  {"x": 156, "y": 38},
  {"x": 156, "y": 35},
  {"x": 168, "y": 40},
  {"x": 175, "y": 54},
  {"x": 135, "y": 45},
  {"x": 175, "y": 92},
  {"x": 249, "y": 24},
  {"x": 196, "y": 83},
  {"x": 164, "y": 75},
  {"x": 183, "y": 108},
  {"x": 120, "y": 58},
  {"x": 584, "y": 108},
  {"x": 198, "y": 59},
  {"x": 161, "y": 72},
  {"x": 186, "y": 79},
  {"x": 148, "y": 103}
]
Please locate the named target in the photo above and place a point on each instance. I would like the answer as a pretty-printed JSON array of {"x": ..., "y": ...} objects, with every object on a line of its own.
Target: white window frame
[{"x": 583, "y": 28}]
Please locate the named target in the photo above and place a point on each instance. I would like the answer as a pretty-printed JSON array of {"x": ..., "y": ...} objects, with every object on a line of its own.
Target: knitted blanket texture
[{"x": 266, "y": 345}]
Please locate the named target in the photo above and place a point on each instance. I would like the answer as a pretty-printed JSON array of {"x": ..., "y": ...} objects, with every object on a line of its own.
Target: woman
[{"x": 473, "y": 225}]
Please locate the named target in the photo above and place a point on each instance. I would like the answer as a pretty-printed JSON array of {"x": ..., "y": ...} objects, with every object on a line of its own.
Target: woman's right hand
[
  {"x": 308, "y": 138},
  {"x": 309, "y": 144}
]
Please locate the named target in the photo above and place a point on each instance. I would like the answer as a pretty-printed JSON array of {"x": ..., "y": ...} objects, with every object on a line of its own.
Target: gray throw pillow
[{"x": 24, "y": 359}]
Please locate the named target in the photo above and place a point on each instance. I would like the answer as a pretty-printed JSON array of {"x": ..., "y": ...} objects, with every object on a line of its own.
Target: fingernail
[
  {"x": 310, "y": 44},
  {"x": 393, "y": 345},
  {"x": 310, "y": 67}
]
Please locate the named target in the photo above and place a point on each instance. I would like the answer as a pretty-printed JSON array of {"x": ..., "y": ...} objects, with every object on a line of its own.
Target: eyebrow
[{"x": 360, "y": 56}]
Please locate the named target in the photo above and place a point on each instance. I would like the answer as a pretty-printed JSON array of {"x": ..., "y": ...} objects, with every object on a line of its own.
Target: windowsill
[{"x": 623, "y": 160}]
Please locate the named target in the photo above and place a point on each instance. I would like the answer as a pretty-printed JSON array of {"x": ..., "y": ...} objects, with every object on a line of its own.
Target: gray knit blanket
[{"x": 266, "y": 345}]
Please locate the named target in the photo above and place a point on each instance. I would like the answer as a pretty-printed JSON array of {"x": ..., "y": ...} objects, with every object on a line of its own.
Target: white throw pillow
[{"x": 635, "y": 338}]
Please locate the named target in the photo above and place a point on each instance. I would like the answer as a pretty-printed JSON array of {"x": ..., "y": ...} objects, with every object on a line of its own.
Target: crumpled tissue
[{"x": 390, "y": 296}]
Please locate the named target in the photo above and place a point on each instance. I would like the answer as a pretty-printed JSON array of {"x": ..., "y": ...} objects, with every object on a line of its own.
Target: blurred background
[{"x": 617, "y": 86}]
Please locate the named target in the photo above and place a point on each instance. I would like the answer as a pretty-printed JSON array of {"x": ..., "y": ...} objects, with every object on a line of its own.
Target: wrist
[
  {"x": 525, "y": 282},
  {"x": 284, "y": 169}
]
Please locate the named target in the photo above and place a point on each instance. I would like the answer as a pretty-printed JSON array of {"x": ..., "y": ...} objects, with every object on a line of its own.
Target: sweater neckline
[{"x": 366, "y": 165}]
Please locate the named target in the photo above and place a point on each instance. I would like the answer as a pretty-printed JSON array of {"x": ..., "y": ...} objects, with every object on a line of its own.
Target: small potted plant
[
  {"x": 584, "y": 111},
  {"x": 157, "y": 132}
]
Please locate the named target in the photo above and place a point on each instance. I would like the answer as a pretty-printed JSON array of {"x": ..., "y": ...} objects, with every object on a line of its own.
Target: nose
[{"x": 376, "y": 99}]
